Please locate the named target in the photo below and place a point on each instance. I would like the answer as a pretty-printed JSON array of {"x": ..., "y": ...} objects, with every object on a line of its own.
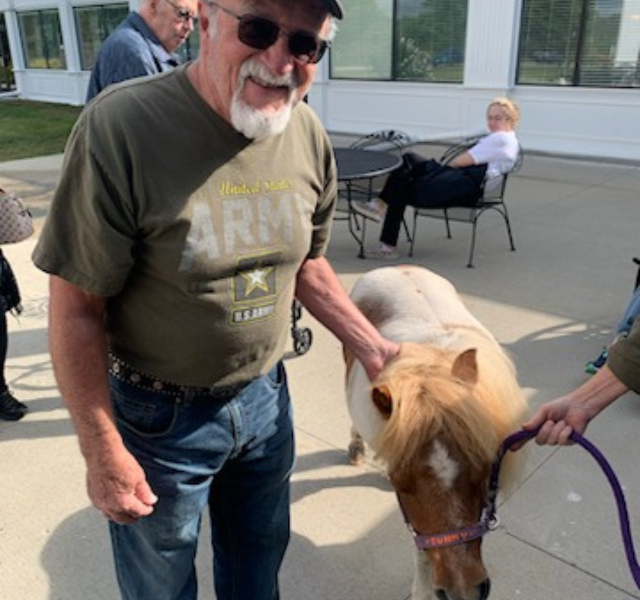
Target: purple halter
[{"x": 489, "y": 519}]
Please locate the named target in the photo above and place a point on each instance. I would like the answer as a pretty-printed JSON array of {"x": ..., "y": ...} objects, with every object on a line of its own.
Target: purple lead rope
[{"x": 623, "y": 513}]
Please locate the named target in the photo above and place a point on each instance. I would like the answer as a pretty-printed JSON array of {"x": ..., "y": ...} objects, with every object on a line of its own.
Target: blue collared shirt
[{"x": 132, "y": 50}]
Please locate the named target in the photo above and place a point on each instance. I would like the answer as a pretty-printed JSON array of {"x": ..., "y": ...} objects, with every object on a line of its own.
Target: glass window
[
  {"x": 191, "y": 47},
  {"x": 430, "y": 39},
  {"x": 580, "y": 43},
  {"x": 405, "y": 40},
  {"x": 363, "y": 46},
  {"x": 42, "y": 39},
  {"x": 94, "y": 24},
  {"x": 7, "y": 81}
]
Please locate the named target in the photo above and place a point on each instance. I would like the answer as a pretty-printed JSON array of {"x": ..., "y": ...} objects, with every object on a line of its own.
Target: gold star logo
[{"x": 257, "y": 279}]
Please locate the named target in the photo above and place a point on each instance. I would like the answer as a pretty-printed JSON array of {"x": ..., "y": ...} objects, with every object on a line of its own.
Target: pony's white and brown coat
[{"x": 435, "y": 416}]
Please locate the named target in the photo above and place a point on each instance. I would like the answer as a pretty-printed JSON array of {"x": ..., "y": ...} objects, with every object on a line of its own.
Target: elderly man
[
  {"x": 191, "y": 207},
  {"x": 144, "y": 43}
]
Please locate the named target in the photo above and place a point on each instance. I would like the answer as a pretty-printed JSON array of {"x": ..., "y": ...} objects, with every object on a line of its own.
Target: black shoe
[{"x": 10, "y": 408}]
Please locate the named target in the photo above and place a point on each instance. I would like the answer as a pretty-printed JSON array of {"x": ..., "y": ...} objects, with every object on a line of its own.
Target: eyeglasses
[
  {"x": 261, "y": 33},
  {"x": 182, "y": 14}
]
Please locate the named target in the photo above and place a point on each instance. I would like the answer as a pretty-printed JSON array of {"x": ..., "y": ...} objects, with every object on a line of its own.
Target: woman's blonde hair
[{"x": 510, "y": 108}]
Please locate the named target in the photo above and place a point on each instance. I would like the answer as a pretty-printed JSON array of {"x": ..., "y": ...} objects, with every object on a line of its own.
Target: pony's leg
[
  {"x": 356, "y": 448},
  {"x": 422, "y": 587}
]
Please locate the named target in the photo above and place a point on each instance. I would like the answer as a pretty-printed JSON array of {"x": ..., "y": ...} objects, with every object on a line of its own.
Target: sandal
[
  {"x": 385, "y": 252},
  {"x": 370, "y": 210}
]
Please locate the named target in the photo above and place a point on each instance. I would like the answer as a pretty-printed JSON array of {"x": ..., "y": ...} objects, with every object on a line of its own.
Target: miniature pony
[{"x": 435, "y": 416}]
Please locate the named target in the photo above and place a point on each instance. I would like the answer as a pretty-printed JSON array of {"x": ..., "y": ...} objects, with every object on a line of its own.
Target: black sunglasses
[{"x": 261, "y": 33}]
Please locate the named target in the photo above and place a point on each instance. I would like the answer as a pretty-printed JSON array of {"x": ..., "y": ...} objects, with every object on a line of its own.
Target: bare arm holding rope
[{"x": 573, "y": 411}]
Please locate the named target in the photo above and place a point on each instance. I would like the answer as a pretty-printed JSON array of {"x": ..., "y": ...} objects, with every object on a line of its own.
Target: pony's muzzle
[{"x": 481, "y": 592}]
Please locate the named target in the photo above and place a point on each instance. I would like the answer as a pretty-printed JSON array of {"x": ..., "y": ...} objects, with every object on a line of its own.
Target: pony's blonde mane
[{"x": 428, "y": 401}]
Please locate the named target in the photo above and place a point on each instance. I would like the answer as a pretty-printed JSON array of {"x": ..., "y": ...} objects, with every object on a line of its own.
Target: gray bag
[{"x": 16, "y": 223}]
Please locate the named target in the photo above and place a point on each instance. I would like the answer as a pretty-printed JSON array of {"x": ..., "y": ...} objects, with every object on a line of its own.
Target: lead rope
[{"x": 623, "y": 513}]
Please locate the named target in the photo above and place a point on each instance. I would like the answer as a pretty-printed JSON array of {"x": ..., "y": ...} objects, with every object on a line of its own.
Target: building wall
[
  {"x": 565, "y": 120},
  {"x": 570, "y": 121},
  {"x": 50, "y": 85},
  {"x": 578, "y": 121}
]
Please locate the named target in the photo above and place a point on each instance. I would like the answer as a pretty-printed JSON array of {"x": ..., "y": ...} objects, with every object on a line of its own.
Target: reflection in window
[
  {"x": 430, "y": 40},
  {"x": 42, "y": 39},
  {"x": 363, "y": 47},
  {"x": 94, "y": 24},
  {"x": 191, "y": 47},
  {"x": 423, "y": 40},
  {"x": 580, "y": 43}
]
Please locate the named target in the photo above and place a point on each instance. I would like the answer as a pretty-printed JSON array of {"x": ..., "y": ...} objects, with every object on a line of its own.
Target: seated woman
[{"x": 425, "y": 183}]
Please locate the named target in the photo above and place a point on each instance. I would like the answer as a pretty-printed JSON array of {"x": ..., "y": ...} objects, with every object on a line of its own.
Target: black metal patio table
[{"x": 357, "y": 169}]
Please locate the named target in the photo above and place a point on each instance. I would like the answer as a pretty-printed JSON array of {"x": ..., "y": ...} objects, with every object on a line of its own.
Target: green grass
[{"x": 29, "y": 129}]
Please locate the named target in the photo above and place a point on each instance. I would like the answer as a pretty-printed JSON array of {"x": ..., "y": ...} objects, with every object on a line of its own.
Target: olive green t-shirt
[
  {"x": 194, "y": 233},
  {"x": 624, "y": 358}
]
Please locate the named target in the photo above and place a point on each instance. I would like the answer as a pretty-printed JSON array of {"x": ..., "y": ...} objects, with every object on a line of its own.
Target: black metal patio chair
[{"x": 492, "y": 199}]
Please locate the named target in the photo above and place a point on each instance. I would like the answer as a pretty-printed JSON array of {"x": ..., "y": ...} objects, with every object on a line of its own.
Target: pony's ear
[
  {"x": 381, "y": 397},
  {"x": 465, "y": 367}
]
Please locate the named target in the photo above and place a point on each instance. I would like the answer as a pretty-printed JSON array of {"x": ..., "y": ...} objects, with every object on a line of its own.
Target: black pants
[
  {"x": 4, "y": 344},
  {"x": 9, "y": 300},
  {"x": 425, "y": 183}
]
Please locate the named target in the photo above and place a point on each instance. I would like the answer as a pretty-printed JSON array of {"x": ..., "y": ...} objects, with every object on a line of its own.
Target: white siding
[{"x": 573, "y": 121}]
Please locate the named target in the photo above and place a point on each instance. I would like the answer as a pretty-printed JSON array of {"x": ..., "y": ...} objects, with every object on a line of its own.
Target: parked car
[
  {"x": 450, "y": 56},
  {"x": 547, "y": 56}
]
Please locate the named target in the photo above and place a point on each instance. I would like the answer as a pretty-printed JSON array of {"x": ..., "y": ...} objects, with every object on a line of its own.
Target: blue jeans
[
  {"x": 630, "y": 314},
  {"x": 234, "y": 456}
]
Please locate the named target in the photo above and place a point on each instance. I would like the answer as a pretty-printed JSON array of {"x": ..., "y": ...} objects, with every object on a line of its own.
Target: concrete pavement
[{"x": 552, "y": 303}]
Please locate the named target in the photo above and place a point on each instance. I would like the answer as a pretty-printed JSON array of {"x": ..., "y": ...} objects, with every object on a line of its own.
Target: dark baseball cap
[{"x": 334, "y": 8}]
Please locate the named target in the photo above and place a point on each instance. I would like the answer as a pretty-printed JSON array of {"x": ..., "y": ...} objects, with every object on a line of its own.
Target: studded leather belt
[{"x": 128, "y": 374}]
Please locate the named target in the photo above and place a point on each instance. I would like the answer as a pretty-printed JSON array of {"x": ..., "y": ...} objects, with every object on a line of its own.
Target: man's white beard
[{"x": 254, "y": 123}]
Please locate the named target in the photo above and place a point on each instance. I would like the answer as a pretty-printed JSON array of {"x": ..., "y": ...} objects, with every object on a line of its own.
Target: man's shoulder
[
  {"x": 124, "y": 38},
  {"x": 130, "y": 96},
  {"x": 307, "y": 131},
  {"x": 304, "y": 116},
  {"x": 131, "y": 35}
]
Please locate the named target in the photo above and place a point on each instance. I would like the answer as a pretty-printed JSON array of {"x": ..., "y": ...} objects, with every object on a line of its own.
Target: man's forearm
[
  {"x": 116, "y": 483},
  {"x": 599, "y": 391},
  {"x": 79, "y": 354},
  {"x": 321, "y": 292}
]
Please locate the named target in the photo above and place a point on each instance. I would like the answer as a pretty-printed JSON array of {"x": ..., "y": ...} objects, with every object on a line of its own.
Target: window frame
[
  {"x": 106, "y": 27},
  {"x": 50, "y": 60},
  {"x": 418, "y": 61},
  {"x": 584, "y": 61}
]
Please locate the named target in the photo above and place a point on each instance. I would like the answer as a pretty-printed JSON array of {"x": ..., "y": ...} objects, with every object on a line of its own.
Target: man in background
[{"x": 143, "y": 44}]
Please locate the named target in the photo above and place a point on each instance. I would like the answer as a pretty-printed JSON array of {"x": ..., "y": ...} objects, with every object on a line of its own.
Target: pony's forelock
[{"x": 429, "y": 403}]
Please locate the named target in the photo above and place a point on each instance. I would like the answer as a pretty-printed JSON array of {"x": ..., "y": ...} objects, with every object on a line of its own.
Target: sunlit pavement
[{"x": 552, "y": 304}]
